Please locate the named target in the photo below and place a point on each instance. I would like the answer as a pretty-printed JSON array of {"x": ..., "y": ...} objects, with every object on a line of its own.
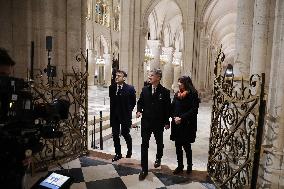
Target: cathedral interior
[{"x": 231, "y": 49}]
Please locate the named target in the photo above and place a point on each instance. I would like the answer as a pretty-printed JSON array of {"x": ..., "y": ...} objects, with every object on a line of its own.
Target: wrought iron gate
[
  {"x": 74, "y": 88},
  {"x": 236, "y": 129}
]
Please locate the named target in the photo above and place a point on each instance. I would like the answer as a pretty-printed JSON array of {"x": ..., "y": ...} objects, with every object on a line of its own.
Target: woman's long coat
[{"x": 187, "y": 110}]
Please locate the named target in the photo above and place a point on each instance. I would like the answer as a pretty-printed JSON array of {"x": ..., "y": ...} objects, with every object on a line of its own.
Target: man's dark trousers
[
  {"x": 155, "y": 107},
  {"x": 146, "y": 135},
  {"x": 125, "y": 132}
]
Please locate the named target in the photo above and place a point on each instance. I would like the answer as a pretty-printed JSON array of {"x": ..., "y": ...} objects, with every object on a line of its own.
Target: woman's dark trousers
[{"x": 179, "y": 152}]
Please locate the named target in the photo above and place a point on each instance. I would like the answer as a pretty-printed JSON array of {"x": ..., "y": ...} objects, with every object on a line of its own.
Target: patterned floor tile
[
  {"x": 151, "y": 182},
  {"x": 193, "y": 185},
  {"x": 208, "y": 185},
  {"x": 171, "y": 179},
  {"x": 86, "y": 162},
  {"x": 124, "y": 171},
  {"x": 95, "y": 174},
  {"x": 99, "y": 172},
  {"x": 72, "y": 164},
  {"x": 112, "y": 183},
  {"x": 81, "y": 185}
]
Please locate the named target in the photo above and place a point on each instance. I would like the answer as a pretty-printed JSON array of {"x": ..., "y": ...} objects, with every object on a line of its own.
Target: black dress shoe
[
  {"x": 178, "y": 170},
  {"x": 129, "y": 154},
  {"x": 143, "y": 175},
  {"x": 157, "y": 163},
  {"x": 116, "y": 157}
]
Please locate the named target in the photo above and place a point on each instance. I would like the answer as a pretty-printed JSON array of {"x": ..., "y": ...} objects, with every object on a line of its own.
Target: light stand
[{"x": 51, "y": 73}]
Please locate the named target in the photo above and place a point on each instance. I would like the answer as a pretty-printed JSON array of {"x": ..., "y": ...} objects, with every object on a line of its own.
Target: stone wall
[{"x": 33, "y": 20}]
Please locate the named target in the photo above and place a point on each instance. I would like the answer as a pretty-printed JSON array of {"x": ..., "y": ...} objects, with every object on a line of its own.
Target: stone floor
[{"x": 95, "y": 173}]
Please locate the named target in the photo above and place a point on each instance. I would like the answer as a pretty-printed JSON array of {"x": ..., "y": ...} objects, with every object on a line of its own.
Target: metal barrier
[
  {"x": 101, "y": 132},
  {"x": 93, "y": 133},
  {"x": 93, "y": 145}
]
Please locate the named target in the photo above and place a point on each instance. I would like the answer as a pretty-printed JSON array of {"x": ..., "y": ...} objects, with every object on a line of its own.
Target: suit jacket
[
  {"x": 122, "y": 105},
  {"x": 187, "y": 110},
  {"x": 155, "y": 108}
]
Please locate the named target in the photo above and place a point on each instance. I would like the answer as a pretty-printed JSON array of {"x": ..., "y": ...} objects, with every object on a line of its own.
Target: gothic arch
[{"x": 152, "y": 4}]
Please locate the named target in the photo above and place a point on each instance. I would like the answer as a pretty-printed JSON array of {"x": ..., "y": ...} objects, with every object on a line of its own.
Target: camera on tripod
[{"x": 24, "y": 120}]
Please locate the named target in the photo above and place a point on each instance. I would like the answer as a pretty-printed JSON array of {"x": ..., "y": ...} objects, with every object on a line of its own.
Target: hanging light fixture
[
  {"x": 99, "y": 59},
  {"x": 148, "y": 54},
  {"x": 176, "y": 61},
  {"x": 163, "y": 58}
]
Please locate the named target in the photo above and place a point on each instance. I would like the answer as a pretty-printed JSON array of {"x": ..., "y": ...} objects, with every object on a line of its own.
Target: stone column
[
  {"x": 107, "y": 69},
  {"x": 132, "y": 44},
  {"x": 273, "y": 171},
  {"x": 124, "y": 54},
  {"x": 154, "y": 45},
  {"x": 177, "y": 71},
  {"x": 201, "y": 77},
  {"x": 260, "y": 37},
  {"x": 92, "y": 68},
  {"x": 168, "y": 68},
  {"x": 243, "y": 38},
  {"x": 146, "y": 67},
  {"x": 176, "y": 76},
  {"x": 189, "y": 18},
  {"x": 138, "y": 47}
]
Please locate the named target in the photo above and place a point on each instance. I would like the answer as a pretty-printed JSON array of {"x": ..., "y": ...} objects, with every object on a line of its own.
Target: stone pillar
[
  {"x": 154, "y": 45},
  {"x": 243, "y": 38},
  {"x": 132, "y": 44},
  {"x": 177, "y": 71},
  {"x": 146, "y": 66},
  {"x": 272, "y": 175},
  {"x": 168, "y": 68},
  {"x": 201, "y": 77},
  {"x": 138, "y": 47},
  {"x": 126, "y": 33},
  {"x": 92, "y": 68},
  {"x": 176, "y": 76},
  {"x": 74, "y": 23},
  {"x": 189, "y": 18},
  {"x": 107, "y": 69},
  {"x": 260, "y": 37}
]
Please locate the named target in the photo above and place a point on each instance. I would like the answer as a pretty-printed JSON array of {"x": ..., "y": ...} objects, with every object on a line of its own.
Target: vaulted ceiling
[
  {"x": 220, "y": 25},
  {"x": 164, "y": 24}
]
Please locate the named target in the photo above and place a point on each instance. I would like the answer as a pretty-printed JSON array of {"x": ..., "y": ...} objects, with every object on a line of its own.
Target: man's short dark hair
[
  {"x": 123, "y": 72},
  {"x": 5, "y": 59},
  {"x": 157, "y": 72}
]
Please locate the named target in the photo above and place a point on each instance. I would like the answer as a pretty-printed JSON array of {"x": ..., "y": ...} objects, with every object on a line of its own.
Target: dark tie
[
  {"x": 154, "y": 90},
  {"x": 119, "y": 90}
]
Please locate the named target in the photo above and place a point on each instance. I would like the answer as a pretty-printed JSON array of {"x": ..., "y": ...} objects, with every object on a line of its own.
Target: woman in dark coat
[{"x": 184, "y": 121}]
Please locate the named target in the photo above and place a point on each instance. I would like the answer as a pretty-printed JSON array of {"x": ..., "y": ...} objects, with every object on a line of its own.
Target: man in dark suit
[
  {"x": 122, "y": 101},
  {"x": 154, "y": 106}
]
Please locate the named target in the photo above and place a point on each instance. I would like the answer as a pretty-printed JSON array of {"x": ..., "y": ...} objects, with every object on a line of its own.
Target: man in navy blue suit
[{"x": 122, "y": 102}]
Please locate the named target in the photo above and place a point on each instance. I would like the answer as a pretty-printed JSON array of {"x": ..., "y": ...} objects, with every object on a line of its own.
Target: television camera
[{"x": 23, "y": 123}]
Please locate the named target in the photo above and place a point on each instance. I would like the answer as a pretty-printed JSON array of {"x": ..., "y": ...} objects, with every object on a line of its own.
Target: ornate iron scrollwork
[
  {"x": 74, "y": 88},
  {"x": 234, "y": 123}
]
